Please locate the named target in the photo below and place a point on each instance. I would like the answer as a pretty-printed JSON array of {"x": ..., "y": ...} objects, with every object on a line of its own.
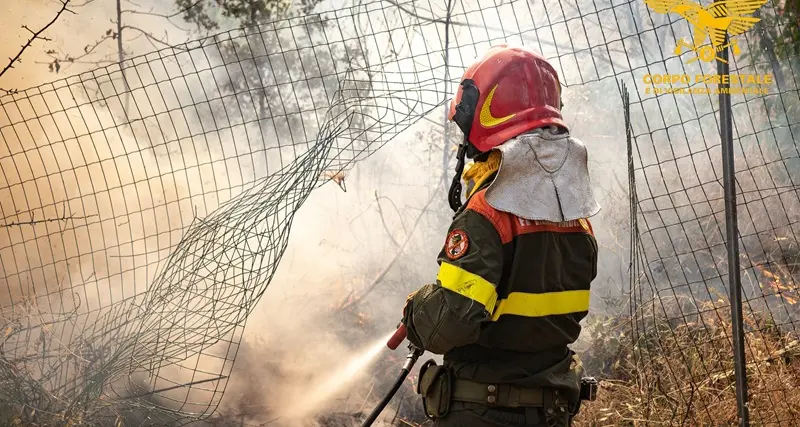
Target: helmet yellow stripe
[{"x": 486, "y": 118}]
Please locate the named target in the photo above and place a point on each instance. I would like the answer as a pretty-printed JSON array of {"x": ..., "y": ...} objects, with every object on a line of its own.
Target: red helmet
[{"x": 508, "y": 92}]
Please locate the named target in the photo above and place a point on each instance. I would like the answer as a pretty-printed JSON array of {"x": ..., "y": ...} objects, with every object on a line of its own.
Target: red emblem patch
[{"x": 456, "y": 245}]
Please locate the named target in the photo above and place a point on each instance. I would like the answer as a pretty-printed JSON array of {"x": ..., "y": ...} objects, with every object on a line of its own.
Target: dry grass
[
  {"x": 680, "y": 372},
  {"x": 676, "y": 369}
]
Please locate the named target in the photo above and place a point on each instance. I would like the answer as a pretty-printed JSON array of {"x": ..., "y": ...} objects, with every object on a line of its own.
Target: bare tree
[{"x": 34, "y": 36}]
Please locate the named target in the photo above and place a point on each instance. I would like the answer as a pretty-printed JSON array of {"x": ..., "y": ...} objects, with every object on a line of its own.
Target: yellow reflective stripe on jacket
[
  {"x": 468, "y": 284},
  {"x": 540, "y": 305}
]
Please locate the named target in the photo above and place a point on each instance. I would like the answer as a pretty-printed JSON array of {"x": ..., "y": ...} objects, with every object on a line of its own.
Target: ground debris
[{"x": 340, "y": 419}]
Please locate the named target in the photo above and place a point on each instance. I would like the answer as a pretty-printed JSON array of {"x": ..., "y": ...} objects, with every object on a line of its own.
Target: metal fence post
[{"x": 731, "y": 228}]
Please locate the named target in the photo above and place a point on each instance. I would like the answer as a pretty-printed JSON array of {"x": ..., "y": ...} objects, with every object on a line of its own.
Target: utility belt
[{"x": 439, "y": 388}]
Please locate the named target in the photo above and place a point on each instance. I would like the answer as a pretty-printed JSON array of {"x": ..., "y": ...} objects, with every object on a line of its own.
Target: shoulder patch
[{"x": 457, "y": 244}]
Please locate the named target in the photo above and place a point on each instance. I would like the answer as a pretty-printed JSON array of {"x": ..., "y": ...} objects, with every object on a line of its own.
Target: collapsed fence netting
[{"x": 145, "y": 207}]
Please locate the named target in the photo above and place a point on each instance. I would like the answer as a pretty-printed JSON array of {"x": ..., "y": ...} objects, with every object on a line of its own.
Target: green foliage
[
  {"x": 207, "y": 14},
  {"x": 780, "y": 26}
]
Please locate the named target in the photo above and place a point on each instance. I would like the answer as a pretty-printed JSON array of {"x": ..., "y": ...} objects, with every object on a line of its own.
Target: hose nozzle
[{"x": 399, "y": 335}]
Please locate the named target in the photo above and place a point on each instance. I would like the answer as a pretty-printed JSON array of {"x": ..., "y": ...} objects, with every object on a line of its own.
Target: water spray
[
  {"x": 413, "y": 354},
  {"x": 338, "y": 379}
]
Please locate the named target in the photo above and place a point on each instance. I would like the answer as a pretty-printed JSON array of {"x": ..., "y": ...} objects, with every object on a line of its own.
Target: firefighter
[{"x": 518, "y": 259}]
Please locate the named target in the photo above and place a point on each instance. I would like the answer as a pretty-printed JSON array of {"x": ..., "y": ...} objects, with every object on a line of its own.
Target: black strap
[
  {"x": 454, "y": 195},
  {"x": 501, "y": 395}
]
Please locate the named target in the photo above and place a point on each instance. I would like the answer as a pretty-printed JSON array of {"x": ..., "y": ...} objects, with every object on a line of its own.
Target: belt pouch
[{"x": 435, "y": 386}]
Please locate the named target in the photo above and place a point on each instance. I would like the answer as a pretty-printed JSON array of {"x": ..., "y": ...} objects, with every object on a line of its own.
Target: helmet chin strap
[
  {"x": 464, "y": 116},
  {"x": 454, "y": 195}
]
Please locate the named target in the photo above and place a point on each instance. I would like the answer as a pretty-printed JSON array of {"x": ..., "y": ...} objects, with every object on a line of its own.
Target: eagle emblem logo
[{"x": 721, "y": 17}]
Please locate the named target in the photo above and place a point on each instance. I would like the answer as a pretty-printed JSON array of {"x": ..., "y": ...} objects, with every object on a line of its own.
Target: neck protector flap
[{"x": 543, "y": 176}]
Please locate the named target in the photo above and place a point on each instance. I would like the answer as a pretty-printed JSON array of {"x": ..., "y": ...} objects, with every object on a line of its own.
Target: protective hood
[{"x": 543, "y": 176}]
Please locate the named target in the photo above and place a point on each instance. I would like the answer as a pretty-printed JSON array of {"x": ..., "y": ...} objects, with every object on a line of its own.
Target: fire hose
[
  {"x": 413, "y": 354},
  {"x": 588, "y": 385}
]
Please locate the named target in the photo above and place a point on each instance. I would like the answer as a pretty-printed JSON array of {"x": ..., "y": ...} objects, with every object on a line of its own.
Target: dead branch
[
  {"x": 153, "y": 39},
  {"x": 36, "y": 35},
  {"x": 58, "y": 59},
  {"x": 43, "y": 221},
  {"x": 383, "y": 219},
  {"x": 159, "y": 15},
  {"x": 375, "y": 282},
  {"x": 85, "y": 3},
  {"x": 119, "y": 44}
]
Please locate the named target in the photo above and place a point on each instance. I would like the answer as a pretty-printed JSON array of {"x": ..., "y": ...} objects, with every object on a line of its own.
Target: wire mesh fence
[
  {"x": 680, "y": 296},
  {"x": 145, "y": 207}
]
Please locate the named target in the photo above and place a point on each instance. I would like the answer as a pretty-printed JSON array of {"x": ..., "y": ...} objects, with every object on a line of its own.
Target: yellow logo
[
  {"x": 713, "y": 22},
  {"x": 486, "y": 118}
]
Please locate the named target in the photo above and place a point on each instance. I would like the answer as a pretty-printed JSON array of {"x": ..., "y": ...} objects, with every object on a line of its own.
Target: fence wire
[
  {"x": 145, "y": 207},
  {"x": 680, "y": 296}
]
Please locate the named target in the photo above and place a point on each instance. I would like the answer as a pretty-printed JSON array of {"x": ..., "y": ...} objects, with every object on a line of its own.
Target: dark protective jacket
[{"x": 508, "y": 298}]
